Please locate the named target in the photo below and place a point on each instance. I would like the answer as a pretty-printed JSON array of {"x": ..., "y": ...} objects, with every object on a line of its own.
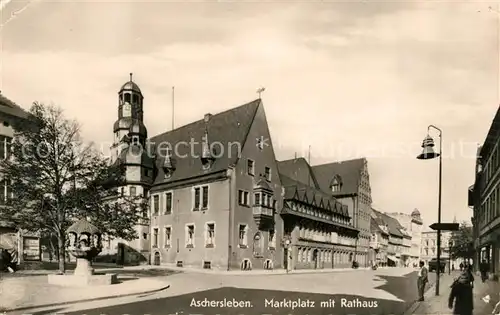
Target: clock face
[{"x": 127, "y": 109}]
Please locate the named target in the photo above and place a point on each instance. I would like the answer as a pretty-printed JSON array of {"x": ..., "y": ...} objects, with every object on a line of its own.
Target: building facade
[
  {"x": 484, "y": 197},
  {"x": 349, "y": 182},
  {"x": 395, "y": 239},
  {"x": 429, "y": 247},
  {"x": 413, "y": 224},
  {"x": 219, "y": 199},
  {"x": 22, "y": 245},
  {"x": 319, "y": 227},
  {"x": 379, "y": 240}
]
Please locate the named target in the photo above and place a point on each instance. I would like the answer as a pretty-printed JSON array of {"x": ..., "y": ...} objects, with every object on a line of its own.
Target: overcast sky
[{"x": 349, "y": 79}]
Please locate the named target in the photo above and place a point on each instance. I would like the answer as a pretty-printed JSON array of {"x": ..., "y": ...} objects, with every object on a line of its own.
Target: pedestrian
[
  {"x": 461, "y": 266},
  {"x": 483, "y": 269},
  {"x": 460, "y": 299},
  {"x": 422, "y": 280}
]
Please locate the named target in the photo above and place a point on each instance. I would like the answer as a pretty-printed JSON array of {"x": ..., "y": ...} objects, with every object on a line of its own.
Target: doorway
[
  {"x": 315, "y": 259},
  {"x": 157, "y": 259}
]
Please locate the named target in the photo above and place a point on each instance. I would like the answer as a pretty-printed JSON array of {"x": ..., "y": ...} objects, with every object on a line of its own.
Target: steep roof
[
  {"x": 299, "y": 170},
  {"x": 392, "y": 224},
  {"x": 228, "y": 129},
  {"x": 10, "y": 108},
  {"x": 374, "y": 226},
  {"x": 295, "y": 190},
  {"x": 349, "y": 172}
]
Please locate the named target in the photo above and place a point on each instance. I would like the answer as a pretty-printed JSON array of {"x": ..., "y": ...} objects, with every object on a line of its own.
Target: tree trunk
[{"x": 62, "y": 253}]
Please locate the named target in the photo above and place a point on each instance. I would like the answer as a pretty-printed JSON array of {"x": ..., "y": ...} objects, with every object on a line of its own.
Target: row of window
[
  {"x": 209, "y": 236},
  {"x": 310, "y": 210},
  {"x": 259, "y": 199},
  {"x": 251, "y": 170},
  {"x": 164, "y": 201},
  {"x": 307, "y": 255},
  {"x": 490, "y": 209},
  {"x": 493, "y": 163}
]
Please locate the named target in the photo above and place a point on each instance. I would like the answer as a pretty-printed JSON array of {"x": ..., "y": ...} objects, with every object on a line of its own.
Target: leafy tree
[
  {"x": 462, "y": 242},
  {"x": 56, "y": 179}
]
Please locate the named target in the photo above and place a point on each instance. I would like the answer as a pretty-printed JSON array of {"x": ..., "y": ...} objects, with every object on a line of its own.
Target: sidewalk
[
  {"x": 252, "y": 272},
  {"x": 439, "y": 304},
  {"x": 28, "y": 292}
]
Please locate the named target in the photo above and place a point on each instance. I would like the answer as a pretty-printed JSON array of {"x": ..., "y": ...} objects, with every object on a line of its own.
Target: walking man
[{"x": 422, "y": 280}]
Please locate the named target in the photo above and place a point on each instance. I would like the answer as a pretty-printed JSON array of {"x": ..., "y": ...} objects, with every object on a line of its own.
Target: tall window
[
  {"x": 3, "y": 192},
  {"x": 242, "y": 235},
  {"x": 204, "y": 203},
  {"x": 168, "y": 203},
  {"x": 196, "y": 199},
  {"x": 168, "y": 237},
  {"x": 243, "y": 198},
  {"x": 5, "y": 144},
  {"x": 190, "y": 236},
  {"x": 156, "y": 204},
  {"x": 267, "y": 173},
  {"x": 133, "y": 191},
  {"x": 210, "y": 237},
  {"x": 336, "y": 184},
  {"x": 155, "y": 237},
  {"x": 251, "y": 168},
  {"x": 257, "y": 199},
  {"x": 200, "y": 198}
]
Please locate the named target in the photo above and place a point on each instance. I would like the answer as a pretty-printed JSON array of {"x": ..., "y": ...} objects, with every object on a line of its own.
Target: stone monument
[{"x": 84, "y": 243}]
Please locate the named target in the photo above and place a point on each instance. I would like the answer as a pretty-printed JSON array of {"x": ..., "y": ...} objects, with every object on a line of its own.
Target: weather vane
[{"x": 260, "y": 90}]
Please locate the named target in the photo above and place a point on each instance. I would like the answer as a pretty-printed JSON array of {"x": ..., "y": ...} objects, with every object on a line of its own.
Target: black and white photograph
[{"x": 249, "y": 157}]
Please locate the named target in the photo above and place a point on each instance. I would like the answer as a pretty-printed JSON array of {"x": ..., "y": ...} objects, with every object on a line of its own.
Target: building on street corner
[
  {"x": 413, "y": 224},
  {"x": 319, "y": 227},
  {"x": 395, "y": 239},
  {"x": 379, "y": 240},
  {"x": 349, "y": 182},
  {"x": 484, "y": 197}
]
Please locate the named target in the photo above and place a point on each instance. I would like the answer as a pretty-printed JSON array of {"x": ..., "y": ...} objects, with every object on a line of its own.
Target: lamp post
[{"x": 427, "y": 154}]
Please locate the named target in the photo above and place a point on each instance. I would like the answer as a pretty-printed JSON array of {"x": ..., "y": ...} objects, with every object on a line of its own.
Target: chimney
[{"x": 207, "y": 117}]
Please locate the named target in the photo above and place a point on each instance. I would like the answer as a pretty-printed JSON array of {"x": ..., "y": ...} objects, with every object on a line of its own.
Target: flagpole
[{"x": 173, "y": 106}]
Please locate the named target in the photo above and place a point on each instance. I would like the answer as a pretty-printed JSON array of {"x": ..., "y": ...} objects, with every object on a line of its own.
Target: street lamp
[{"x": 427, "y": 154}]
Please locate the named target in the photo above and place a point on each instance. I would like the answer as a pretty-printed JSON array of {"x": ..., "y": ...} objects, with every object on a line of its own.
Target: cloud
[{"x": 349, "y": 80}]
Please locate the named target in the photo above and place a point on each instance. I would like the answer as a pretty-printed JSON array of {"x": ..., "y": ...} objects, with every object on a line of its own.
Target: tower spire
[{"x": 130, "y": 76}]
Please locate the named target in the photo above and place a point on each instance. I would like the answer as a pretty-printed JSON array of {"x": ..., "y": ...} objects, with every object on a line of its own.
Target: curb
[{"x": 87, "y": 300}]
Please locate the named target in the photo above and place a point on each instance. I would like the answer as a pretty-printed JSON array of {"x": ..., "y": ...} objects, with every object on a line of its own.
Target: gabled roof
[
  {"x": 349, "y": 172},
  {"x": 392, "y": 224},
  {"x": 12, "y": 109},
  {"x": 229, "y": 129},
  {"x": 309, "y": 195},
  {"x": 299, "y": 170}
]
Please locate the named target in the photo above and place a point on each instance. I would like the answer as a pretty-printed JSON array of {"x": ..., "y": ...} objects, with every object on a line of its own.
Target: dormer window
[{"x": 336, "y": 184}]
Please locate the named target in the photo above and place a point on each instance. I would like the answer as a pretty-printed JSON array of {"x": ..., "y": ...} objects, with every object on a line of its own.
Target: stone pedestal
[{"x": 83, "y": 267}]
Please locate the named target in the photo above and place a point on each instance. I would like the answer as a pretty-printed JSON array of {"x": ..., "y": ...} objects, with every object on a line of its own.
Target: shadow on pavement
[{"x": 252, "y": 301}]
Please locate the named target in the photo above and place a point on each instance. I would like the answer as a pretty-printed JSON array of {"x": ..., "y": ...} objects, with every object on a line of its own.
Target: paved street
[{"x": 387, "y": 291}]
